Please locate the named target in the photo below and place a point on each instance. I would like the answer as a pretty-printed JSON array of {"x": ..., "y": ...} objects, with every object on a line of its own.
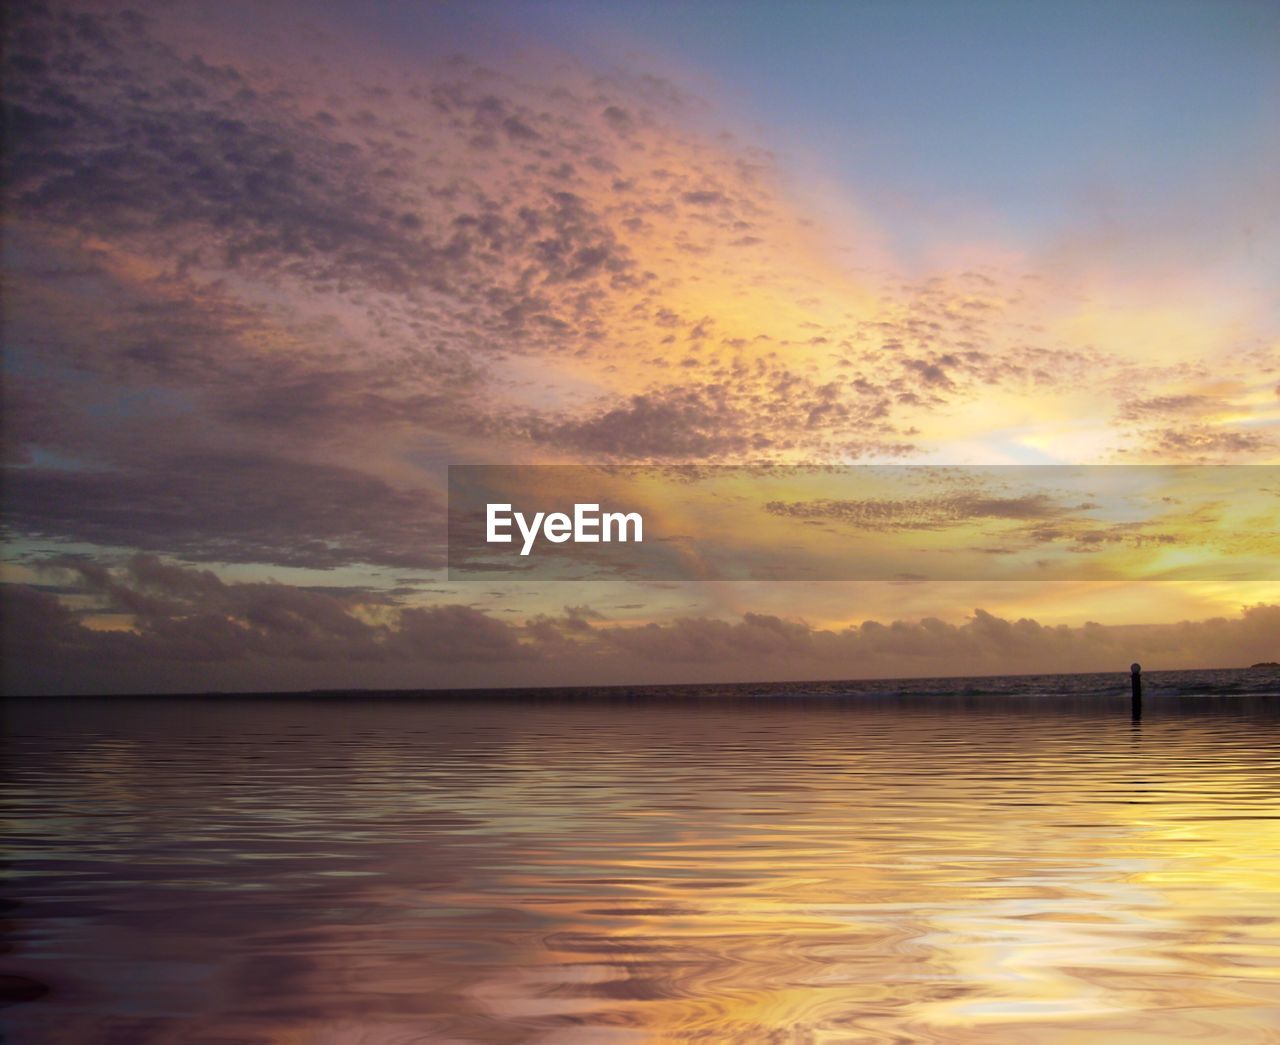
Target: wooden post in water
[{"x": 1135, "y": 678}]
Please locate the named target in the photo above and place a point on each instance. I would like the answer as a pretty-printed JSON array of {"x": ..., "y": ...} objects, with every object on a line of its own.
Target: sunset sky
[{"x": 269, "y": 270}]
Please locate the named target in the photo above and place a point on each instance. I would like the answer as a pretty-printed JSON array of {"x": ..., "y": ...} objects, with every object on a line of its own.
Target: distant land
[{"x": 1255, "y": 680}]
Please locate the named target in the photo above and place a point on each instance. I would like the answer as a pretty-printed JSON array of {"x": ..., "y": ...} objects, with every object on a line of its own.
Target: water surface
[{"x": 831, "y": 865}]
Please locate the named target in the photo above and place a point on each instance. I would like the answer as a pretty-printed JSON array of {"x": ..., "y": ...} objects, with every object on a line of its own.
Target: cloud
[
  {"x": 1205, "y": 442},
  {"x": 229, "y": 508},
  {"x": 745, "y": 414},
  {"x": 458, "y": 634},
  {"x": 756, "y": 637},
  {"x": 165, "y": 620},
  {"x": 1167, "y": 406},
  {"x": 985, "y": 644},
  {"x": 257, "y": 294},
  {"x": 354, "y": 255},
  {"x": 923, "y": 513},
  {"x": 683, "y": 423},
  {"x": 1191, "y": 426},
  {"x": 121, "y": 136}
]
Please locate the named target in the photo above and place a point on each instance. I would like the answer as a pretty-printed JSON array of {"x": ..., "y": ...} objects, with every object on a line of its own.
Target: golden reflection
[{"x": 647, "y": 872}]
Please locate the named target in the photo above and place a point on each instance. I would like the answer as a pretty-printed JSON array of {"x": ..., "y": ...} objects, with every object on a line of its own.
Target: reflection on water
[{"x": 388, "y": 872}]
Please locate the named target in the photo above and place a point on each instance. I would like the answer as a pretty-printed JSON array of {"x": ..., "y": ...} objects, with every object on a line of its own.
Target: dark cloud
[
  {"x": 457, "y": 634},
  {"x": 1083, "y": 536},
  {"x": 177, "y": 613},
  {"x": 1035, "y": 518},
  {"x": 172, "y": 617},
  {"x": 1204, "y": 442},
  {"x": 222, "y": 267},
  {"x": 698, "y": 639},
  {"x": 306, "y": 259},
  {"x": 1180, "y": 427},
  {"x": 931, "y": 374},
  {"x": 680, "y": 423},
  {"x": 242, "y": 294},
  {"x": 1167, "y": 406},
  {"x": 925, "y": 513},
  {"x": 744, "y": 412},
  {"x": 618, "y": 118},
  {"x": 115, "y": 133},
  {"x": 229, "y": 508},
  {"x": 983, "y": 644},
  {"x": 704, "y": 197}
]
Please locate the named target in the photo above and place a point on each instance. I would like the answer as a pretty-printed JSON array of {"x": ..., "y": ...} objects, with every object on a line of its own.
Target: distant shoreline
[{"x": 1110, "y": 684}]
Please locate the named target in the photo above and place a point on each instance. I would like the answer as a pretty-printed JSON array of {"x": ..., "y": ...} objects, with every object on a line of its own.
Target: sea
[{"x": 988, "y": 860}]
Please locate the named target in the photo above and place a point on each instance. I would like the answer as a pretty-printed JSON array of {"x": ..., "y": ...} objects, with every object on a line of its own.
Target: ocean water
[{"x": 970, "y": 860}]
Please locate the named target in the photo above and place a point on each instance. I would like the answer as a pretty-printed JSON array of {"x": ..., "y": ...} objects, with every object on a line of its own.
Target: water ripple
[{"x": 562, "y": 871}]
